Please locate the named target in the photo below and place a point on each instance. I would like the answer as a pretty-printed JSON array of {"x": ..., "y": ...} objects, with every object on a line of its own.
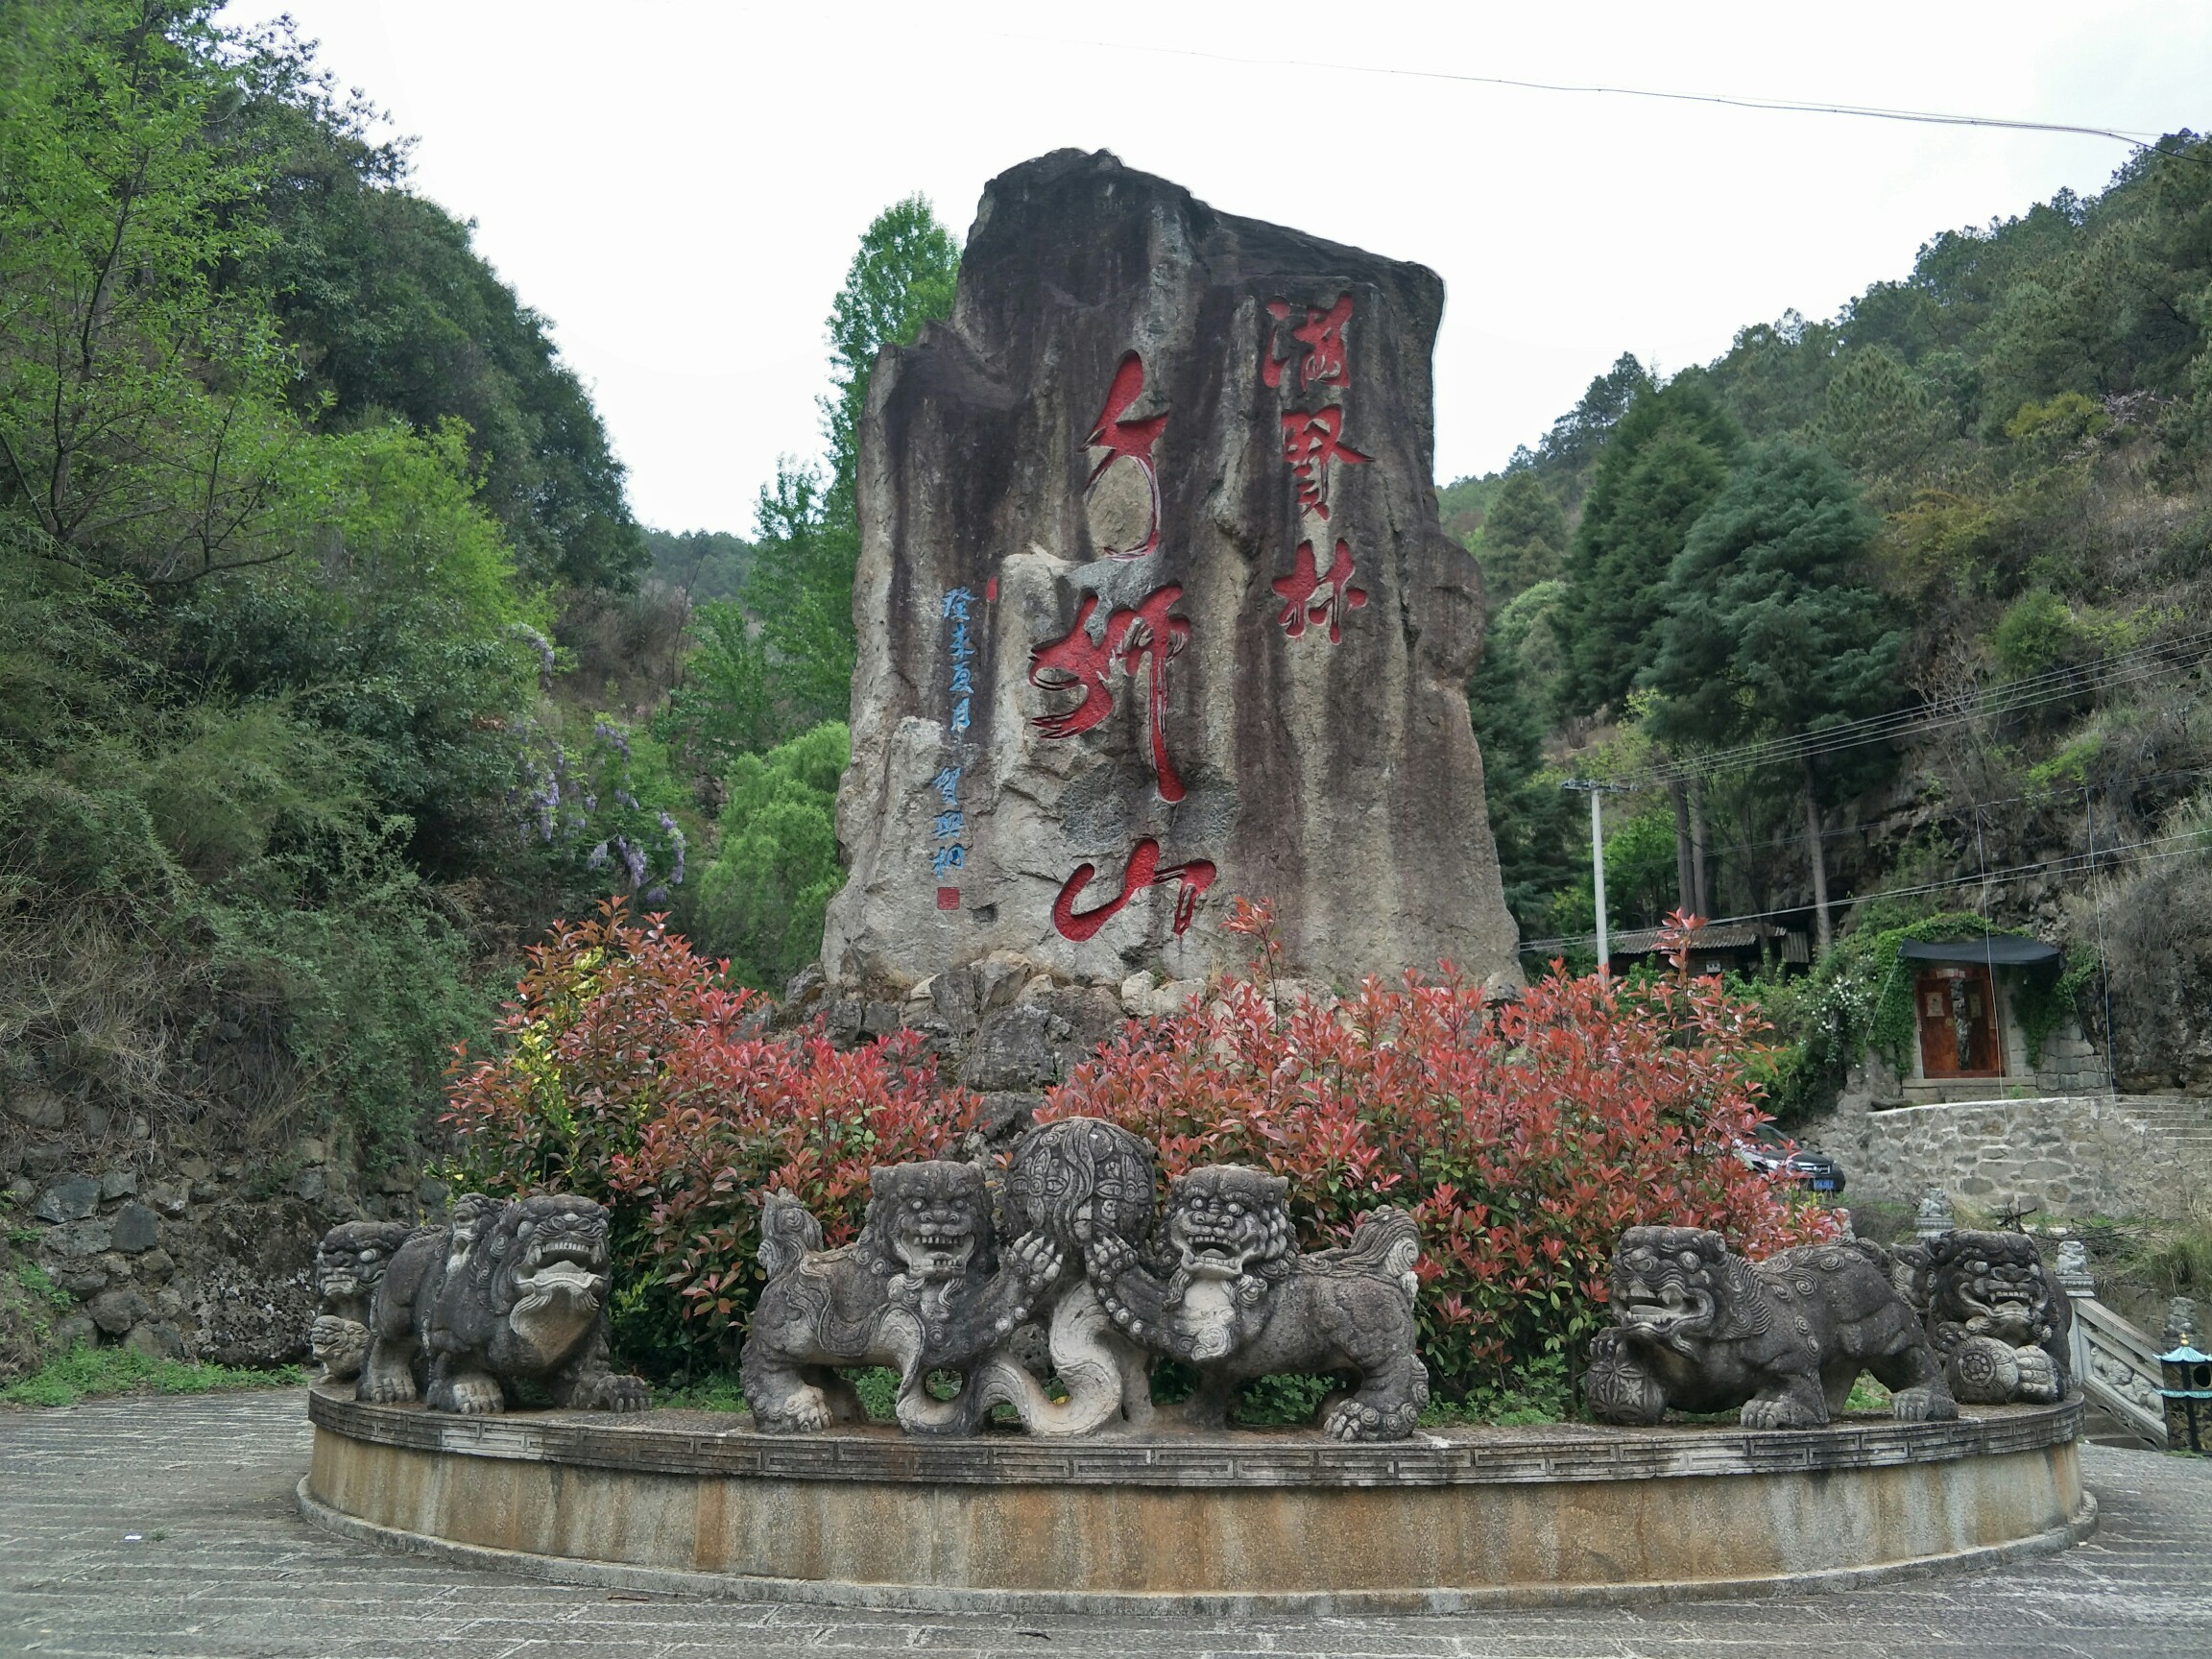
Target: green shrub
[{"x": 2036, "y": 634}]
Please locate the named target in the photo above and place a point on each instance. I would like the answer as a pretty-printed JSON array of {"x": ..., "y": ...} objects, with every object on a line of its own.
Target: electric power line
[
  {"x": 2006, "y": 697},
  {"x": 2058, "y": 794},
  {"x": 2071, "y": 863},
  {"x": 2134, "y": 139}
]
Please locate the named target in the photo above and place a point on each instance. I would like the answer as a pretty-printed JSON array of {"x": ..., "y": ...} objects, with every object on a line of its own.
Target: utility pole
[{"x": 1598, "y": 791}]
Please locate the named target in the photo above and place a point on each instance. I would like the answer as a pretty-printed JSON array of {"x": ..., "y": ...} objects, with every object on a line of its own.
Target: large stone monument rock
[{"x": 1154, "y": 608}]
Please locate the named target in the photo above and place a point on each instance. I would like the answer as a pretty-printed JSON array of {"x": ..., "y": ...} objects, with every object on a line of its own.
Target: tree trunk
[
  {"x": 1700, "y": 895},
  {"x": 1685, "y": 883},
  {"x": 1817, "y": 857}
]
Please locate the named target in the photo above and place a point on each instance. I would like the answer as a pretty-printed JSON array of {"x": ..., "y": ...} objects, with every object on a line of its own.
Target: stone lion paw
[
  {"x": 1783, "y": 1413},
  {"x": 1109, "y": 1255},
  {"x": 1922, "y": 1405},
  {"x": 617, "y": 1394},
  {"x": 475, "y": 1396},
  {"x": 391, "y": 1390},
  {"x": 804, "y": 1414},
  {"x": 2038, "y": 1377},
  {"x": 1353, "y": 1421},
  {"x": 1035, "y": 1257}
]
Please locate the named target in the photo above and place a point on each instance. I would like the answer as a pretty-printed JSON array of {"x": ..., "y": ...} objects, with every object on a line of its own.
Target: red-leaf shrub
[
  {"x": 630, "y": 1076},
  {"x": 1524, "y": 1138}
]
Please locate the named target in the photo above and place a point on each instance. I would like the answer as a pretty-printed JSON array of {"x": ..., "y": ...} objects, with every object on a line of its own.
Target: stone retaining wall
[
  {"x": 176, "y": 1256},
  {"x": 2071, "y": 1155}
]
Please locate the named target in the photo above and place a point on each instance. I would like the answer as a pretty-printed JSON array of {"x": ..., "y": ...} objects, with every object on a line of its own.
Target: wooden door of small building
[{"x": 1956, "y": 1009}]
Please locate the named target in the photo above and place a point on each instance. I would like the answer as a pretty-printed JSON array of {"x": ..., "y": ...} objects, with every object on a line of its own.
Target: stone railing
[{"x": 2118, "y": 1367}]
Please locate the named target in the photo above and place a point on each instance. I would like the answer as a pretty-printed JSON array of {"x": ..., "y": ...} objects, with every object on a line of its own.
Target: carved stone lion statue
[
  {"x": 1069, "y": 1183},
  {"x": 509, "y": 1293},
  {"x": 2000, "y": 1321},
  {"x": 919, "y": 1290},
  {"x": 1224, "y": 1289},
  {"x": 349, "y": 1265},
  {"x": 1702, "y": 1330}
]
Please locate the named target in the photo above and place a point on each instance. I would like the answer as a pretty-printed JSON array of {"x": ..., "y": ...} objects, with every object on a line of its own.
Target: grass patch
[
  {"x": 1867, "y": 1395},
  {"x": 703, "y": 1394},
  {"x": 38, "y": 1287},
  {"x": 87, "y": 1372}
]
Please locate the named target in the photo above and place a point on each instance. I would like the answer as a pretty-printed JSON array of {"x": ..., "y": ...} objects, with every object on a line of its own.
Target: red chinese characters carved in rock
[
  {"x": 1322, "y": 363},
  {"x": 1299, "y": 590},
  {"x": 1128, "y": 441},
  {"x": 1144, "y": 870},
  {"x": 1143, "y": 640},
  {"x": 1312, "y": 439}
]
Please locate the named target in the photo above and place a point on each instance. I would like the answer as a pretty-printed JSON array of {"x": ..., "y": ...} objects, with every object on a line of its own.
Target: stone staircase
[{"x": 2183, "y": 1124}]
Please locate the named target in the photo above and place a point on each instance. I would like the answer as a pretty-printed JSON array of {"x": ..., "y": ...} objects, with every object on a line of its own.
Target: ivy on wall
[{"x": 2041, "y": 1004}]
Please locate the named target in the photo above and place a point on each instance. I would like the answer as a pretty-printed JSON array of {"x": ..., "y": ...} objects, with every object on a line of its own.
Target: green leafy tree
[
  {"x": 902, "y": 278},
  {"x": 409, "y": 634},
  {"x": 763, "y": 900},
  {"x": 1771, "y": 627},
  {"x": 724, "y": 707},
  {"x": 1577, "y": 436},
  {"x": 1775, "y": 374},
  {"x": 808, "y": 524},
  {"x": 1881, "y": 420},
  {"x": 143, "y": 428},
  {"x": 1666, "y": 461},
  {"x": 701, "y": 565}
]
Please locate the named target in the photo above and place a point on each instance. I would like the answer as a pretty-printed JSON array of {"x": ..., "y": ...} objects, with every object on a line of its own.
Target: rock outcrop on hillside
[{"x": 1154, "y": 608}]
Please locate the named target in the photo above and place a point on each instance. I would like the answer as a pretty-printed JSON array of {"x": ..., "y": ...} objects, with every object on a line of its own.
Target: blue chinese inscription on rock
[{"x": 950, "y": 853}]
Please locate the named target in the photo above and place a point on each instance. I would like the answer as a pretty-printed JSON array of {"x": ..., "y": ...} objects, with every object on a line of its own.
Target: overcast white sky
[{"x": 678, "y": 185}]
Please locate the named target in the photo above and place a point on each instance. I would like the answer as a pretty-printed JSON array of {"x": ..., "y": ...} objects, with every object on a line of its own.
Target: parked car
[{"x": 1769, "y": 1150}]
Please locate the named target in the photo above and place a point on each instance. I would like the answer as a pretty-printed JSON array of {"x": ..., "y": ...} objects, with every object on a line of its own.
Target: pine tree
[
  {"x": 1663, "y": 465},
  {"x": 1771, "y": 628},
  {"x": 1524, "y": 537}
]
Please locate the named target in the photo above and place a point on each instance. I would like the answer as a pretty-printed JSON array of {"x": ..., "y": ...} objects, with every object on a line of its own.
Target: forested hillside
[
  {"x": 1907, "y": 608},
  {"x": 333, "y": 663}
]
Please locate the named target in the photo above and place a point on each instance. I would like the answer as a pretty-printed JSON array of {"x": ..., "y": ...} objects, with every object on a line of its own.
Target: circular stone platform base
[{"x": 685, "y": 1502}]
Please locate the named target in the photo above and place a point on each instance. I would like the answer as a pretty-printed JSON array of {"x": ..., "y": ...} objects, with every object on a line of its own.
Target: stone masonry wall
[
  {"x": 175, "y": 1256},
  {"x": 2074, "y": 1155}
]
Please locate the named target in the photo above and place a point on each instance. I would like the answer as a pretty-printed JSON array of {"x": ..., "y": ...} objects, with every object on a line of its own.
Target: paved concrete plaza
[{"x": 167, "y": 1527}]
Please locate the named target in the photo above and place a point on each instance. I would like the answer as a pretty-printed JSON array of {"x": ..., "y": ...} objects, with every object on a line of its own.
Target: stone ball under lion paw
[
  {"x": 1620, "y": 1391},
  {"x": 1985, "y": 1371}
]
